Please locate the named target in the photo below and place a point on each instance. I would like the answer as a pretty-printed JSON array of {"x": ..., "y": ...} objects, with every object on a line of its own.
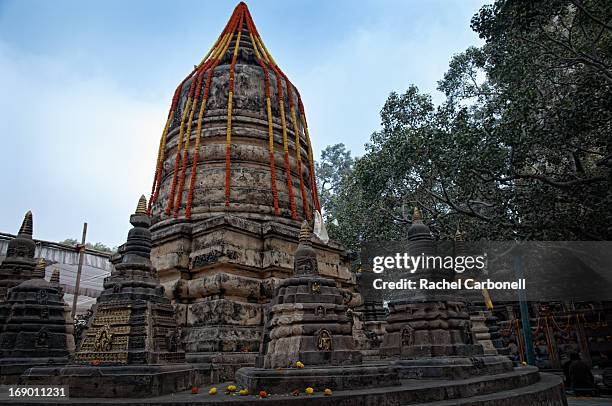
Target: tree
[
  {"x": 97, "y": 246},
  {"x": 521, "y": 147}
]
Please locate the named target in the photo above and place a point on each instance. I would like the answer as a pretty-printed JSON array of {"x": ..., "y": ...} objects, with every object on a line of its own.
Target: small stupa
[
  {"x": 133, "y": 322},
  {"x": 36, "y": 329},
  {"x": 484, "y": 323},
  {"x": 429, "y": 323},
  {"x": 308, "y": 333},
  {"x": 133, "y": 337},
  {"x": 19, "y": 264}
]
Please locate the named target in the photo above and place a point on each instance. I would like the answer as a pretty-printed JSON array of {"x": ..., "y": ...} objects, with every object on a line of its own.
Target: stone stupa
[
  {"x": 308, "y": 326},
  {"x": 132, "y": 346},
  {"x": 35, "y": 327},
  {"x": 234, "y": 179},
  {"x": 19, "y": 264}
]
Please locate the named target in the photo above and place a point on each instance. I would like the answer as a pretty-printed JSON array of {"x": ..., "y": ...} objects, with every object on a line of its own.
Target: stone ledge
[
  {"x": 337, "y": 378},
  {"x": 130, "y": 381},
  {"x": 546, "y": 391}
]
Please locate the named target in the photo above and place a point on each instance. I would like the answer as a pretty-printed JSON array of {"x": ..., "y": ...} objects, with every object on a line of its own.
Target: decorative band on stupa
[{"x": 239, "y": 40}]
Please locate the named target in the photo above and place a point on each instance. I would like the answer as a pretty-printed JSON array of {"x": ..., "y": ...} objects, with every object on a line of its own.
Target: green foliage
[
  {"x": 520, "y": 149},
  {"x": 97, "y": 246}
]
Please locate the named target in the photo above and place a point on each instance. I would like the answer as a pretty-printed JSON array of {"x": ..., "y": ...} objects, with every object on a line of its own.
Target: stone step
[
  {"x": 524, "y": 386},
  {"x": 541, "y": 393}
]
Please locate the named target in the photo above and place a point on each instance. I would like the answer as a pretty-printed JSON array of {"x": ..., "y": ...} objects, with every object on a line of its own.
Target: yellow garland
[
  {"x": 179, "y": 147},
  {"x": 185, "y": 155},
  {"x": 229, "y": 121},
  {"x": 217, "y": 56},
  {"x": 162, "y": 144},
  {"x": 298, "y": 149},
  {"x": 310, "y": 159},
  {"x": 228, "y": 138}
]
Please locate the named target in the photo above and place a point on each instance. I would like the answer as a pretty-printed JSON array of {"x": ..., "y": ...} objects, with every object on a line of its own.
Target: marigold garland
[
  {"x": 229, "y": 115},
  {"x": 178, "y": 149},
  {"x": 313, "y": 182},
  {"x": 233, "y": 29},
  {"x": 214, "y": 62},
  {"x": 268, "y": 57},
  {"x": 279, "y": 91},
  {"x": 251, "y": 29}
]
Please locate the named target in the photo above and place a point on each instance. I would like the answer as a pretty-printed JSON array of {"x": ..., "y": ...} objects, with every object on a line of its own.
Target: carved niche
[
  {"x": 305, "y": 266},
  {"x": 407, "y": 336},
  {"x": 104, "y": 340},
  {"x": 324, "y": 340},
  {"x": 42, "y": 338}
]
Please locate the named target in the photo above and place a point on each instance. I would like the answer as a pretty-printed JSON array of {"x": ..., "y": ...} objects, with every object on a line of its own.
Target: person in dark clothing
[{"x": 580, "y": 378}]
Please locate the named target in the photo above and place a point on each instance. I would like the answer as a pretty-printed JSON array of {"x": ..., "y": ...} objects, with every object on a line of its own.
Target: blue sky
[{"x": 85, "y": 87}]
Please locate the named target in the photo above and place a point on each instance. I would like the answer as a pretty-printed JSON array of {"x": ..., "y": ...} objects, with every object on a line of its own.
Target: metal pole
[
  {"x": 527, "y": 338},
  {"x": 77, "y": 284}
]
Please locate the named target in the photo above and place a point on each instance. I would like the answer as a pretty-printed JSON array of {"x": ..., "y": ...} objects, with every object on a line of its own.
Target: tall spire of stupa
[
  {"x": 19, "y": 264},
  {"x": 236, "y": 137},
  {"x": 26, "y": 225}
]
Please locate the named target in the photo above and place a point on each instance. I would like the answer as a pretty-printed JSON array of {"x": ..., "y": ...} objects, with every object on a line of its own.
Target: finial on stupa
[
  {"x": 305, "y": 232},
  {"x": 39, "y": 270},
  {"x": 26, "y": 225},
  {"x": 142, "y": 205},
  {"x": 417, "y": 216},
  {"x": 55, "y": 277},
  {"x": 459, "y": 235}
]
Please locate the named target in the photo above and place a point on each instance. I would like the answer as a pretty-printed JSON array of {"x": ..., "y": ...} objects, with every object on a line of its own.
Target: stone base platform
[
  {"x": 130, "y": 381},
  {"x": 522, "y": 387},
  {"x": 285, "y": 380},
  {"x": 11, "y": 369},
  {"x": 452, "y": 367},
  {"x": 226, "y": 363}
]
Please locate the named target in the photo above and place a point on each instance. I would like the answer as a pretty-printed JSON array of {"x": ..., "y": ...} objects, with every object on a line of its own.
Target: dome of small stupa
[{"x": 236, "y": 138}]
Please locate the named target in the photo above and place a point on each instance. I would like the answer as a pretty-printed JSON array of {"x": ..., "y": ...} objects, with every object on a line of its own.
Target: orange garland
[
  {"x": 207, "y": 66},
  {"x": 251, "y": 28},
  {"x": 229, "y": 114},
  {"x": 279, "y": 91},
  {"x": 215, "y": 61},
  {"x": 179, "y": 195},
  {"x": 179, "y": 147},
  {"x": 313, "y": 182}
]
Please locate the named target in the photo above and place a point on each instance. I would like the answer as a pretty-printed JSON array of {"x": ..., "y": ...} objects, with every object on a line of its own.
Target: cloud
[
  {"x": 75, "y": 147},
  {"x": 352, "y": 76}
]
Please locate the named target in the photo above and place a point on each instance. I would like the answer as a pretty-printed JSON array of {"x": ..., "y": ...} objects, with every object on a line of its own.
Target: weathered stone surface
[
  {"x": 222, "y": 271},
  {"x": 133, "y": 322},
  {"x": 307, "y": 319},
  {"x": 132, "y": 332},
  {"x": 336, "y": 378},
  {"x": 19, "y": 264},
  {"x": 134, "y": 381},
  {"x": 35, "y": 325},
  {"x": 429, "y": 323}
]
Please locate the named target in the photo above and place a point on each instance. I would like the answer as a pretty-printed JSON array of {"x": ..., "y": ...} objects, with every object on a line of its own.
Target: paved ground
[{"x": 572, "y": 401}]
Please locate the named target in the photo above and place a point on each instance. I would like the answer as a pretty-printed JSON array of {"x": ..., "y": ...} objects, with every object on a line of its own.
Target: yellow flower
[
  {"x": 327, "y": 392},
  {"x": 231, "y": 388},
  {"x": 299, "y": 364},
  {"x": 309, "y": 391},
  {"x": 243, "y": 392},
  {"x": 212, "y": 391}
]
